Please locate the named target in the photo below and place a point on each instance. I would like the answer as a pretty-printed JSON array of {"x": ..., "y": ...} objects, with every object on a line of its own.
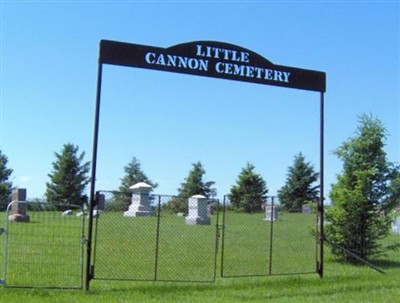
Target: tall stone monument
[
  {"x": 18, "y": 206},
  {"x": 140, "y": 203},
  {"x": 198, "y": 211}
]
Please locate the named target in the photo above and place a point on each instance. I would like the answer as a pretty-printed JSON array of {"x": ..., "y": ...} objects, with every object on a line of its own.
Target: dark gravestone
[
  {"x": 18, "y": 206},
  {"x": 18, "y": 194},
  {"x": 101, "y": 202}
]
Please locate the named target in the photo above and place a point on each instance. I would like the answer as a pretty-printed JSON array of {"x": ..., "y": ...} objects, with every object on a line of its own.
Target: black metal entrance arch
[{"x": 209, "y": 59}]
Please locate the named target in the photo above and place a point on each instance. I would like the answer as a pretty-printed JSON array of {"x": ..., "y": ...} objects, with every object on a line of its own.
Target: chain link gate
[
  {"x": 2, "y": 232},
  {"x": 154, "y": 247},
  {"x": 259, "y": 241},
  {"x": 261, "y": 238},
  {"x": 42, "y": 245}
]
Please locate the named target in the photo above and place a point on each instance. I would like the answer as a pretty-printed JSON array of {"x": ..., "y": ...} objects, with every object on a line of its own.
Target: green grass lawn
[
  {"x": 342, "y": 283},
  {"x": 125, "y": 249},
  {"x": 47, "y": 251}
]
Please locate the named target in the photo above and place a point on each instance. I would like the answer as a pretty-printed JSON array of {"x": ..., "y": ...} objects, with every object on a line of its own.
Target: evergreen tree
[
  {"x": 367, "y": 189},
  {"x": 133, "y": 174},
  {"x": 248, "y": 195},
  {"x": 299, "y": 188},
  {"x": 5, "y": 184},
  {"x": 194, "y": 184},
  {"x": 69, "y": 177}
]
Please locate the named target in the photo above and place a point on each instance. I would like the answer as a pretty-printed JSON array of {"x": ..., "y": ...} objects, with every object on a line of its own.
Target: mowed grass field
[
  {"x": 48, "y": 252},
  {"x": 167, "y": 249}
]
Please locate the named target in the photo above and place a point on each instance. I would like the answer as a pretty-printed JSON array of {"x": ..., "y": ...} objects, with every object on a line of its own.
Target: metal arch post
[
  {"x": 92, "y": 201},
  {"x": 321, "y": 197}
]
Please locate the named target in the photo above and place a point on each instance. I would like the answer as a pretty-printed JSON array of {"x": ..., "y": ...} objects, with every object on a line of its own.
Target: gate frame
[
  {"x": 157, "y": 198},
  {"x": 5, "y": 231},
  {"x": 194, "y": 58}
]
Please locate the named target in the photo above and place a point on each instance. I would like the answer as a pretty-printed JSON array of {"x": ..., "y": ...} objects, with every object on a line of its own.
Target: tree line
[
  {"x": 366, "y": 192},
  {"x": 70, "y": 177}
]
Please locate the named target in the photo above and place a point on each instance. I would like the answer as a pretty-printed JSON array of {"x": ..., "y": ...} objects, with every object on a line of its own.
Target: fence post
[{"x": 321, "y": 192}]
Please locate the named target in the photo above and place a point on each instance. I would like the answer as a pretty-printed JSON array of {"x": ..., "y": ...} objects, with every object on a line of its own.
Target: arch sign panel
[
  {"x": 208, "y": 59},
  {"x": 211, "y": 59}
]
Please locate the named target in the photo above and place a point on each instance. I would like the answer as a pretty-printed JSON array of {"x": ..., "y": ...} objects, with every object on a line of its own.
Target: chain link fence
[
  {"x": 261, "y": 237},
  {"x": 163, "y": 242},
  {"x": 152, "y": 240},
  {"x": 167, "y": 238},
  {"x": 3, "y": 221},
  {"x": 43, "y": 245}
]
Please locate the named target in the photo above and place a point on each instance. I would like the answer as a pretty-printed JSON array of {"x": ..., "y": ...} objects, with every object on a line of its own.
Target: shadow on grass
[
  {"x": 386, "y": 264},
  {"x": 254, "y": 289},
  {"x": 338, "y": 285}
]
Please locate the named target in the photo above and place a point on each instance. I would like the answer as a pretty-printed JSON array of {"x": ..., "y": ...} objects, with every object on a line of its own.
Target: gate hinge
[
  {"x": 84, "y": 240},
  {"x": 98, "y": 198},
  {"x": 91, "y": 273},
  {"x": 319, "y": 268}
]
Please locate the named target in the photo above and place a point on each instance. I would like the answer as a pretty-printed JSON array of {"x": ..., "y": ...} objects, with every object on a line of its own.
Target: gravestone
[
  {"x": 306, "y": 209},
  {"x": 396, "y": 226},
  {"x": 101, "y": 202},
  {"x": 198, "y": 211},
  {"x": 18, "y": 206},
  {"x": 271, "y": 212},
  {"x": 140, "y": 203}
]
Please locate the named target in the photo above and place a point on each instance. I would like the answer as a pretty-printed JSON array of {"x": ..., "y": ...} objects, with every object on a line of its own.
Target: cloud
[{"x": 24, "y": 179}]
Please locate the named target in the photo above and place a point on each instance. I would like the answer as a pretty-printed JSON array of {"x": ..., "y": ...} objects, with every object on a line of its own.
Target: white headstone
[
  {"x": 67, "y": 212},
  {"x": 306, "y": 209},
  {"x": 396, "y": 226},
  {"x": 271, "y": 212},
  {"x": 140, "y": 203},
  {"x": 198, "y": 211}
]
